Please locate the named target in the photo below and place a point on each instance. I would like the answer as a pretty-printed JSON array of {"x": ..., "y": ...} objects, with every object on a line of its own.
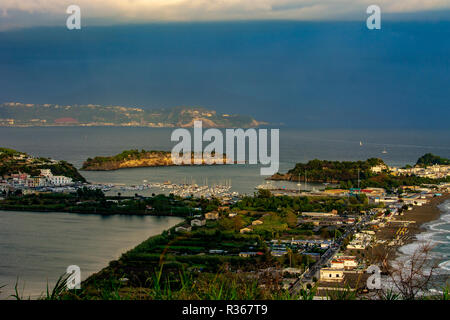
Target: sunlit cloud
[{"x": 137, "y": 11}]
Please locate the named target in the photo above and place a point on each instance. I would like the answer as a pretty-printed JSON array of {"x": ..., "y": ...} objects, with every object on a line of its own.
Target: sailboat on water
[
  {"x": 384, "y": 151},
  {"x": 360, "y": 143}
]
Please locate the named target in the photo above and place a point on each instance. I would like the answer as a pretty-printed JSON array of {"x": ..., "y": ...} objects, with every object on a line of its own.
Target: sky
[
  {"x": 28, "y": 13},
  {"x": 324, "y": 73}
]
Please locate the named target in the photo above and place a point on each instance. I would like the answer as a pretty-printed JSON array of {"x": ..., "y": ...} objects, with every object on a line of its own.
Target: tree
[
  {"x": 264, "y": 193},
  {"x": 325, "y": 233},
  {"x": 291, "y": 219},
  {"x": 290, "y": 254},
  {"x": 412, "y": 277},
  {"x": 238, "y": 223},
  {"x": 431, "y": 159}
]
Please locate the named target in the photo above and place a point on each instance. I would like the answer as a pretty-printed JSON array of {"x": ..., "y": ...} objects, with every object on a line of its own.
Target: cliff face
[
  {"x": 280, "y": 176},
  {"x": 150, "y": 160},
  {"x": 133, "y": 159}
]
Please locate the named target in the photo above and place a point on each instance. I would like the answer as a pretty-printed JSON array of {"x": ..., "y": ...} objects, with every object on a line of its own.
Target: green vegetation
[
  {"x": 207, "y": 262},
  {"x": 185, "y": 285},
  {"x": 346, "y": 173},
  {"x": 180, "y": 266},
  {"x": 7, "y": 153},
  {"x": 129, "y": 154},
  {"x": 333, "y": 171},
  {"x": 223, "y": 285},
  {"x": 12, "y": 161},
  {"x": 430, "y": 159},
  {"x": 212, "y": 249},
  {"x": 113, "y": 162},
  {"x": 202, "y": 263},
  {"x": 131, "y": 159},
  {"x": 390, "y": 182},
  {"x": 94, "y": 201},
  {"x": 264, "y": 201}
]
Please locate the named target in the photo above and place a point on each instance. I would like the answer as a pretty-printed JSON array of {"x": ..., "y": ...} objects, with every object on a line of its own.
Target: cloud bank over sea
[{"x": 21, "y": 13}]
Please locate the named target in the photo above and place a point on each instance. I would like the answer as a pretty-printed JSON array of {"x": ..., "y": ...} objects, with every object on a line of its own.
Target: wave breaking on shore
[{"x": 436, "y": 234}]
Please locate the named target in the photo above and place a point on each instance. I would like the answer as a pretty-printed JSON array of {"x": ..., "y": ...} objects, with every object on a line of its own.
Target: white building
[
  {"x": 213, "y": 215},
  {"x": 361, "y": 241},
  {"x": 379, "y": 168},
  {"x": 46, "y": 173},
  {"x": 330, "y": 274},
  {"x": 320, "y": 214},
  {"x": 59, "y": 180},
  {"x": 344, "y": 262},
  {"x": 198, "y": 222},
  {"x": 337, "y": 264},
  {"x": 183, "y": 228}
]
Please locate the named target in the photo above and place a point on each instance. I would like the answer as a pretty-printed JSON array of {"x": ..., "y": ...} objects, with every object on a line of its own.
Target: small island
[{"x": 134, "y": 159}]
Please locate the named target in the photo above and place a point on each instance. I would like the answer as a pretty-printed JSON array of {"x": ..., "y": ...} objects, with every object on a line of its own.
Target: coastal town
[
  {"x": 316, "y": 241},
  {"x": 17, "y": 114},
  {"x": 26, "y": 182},
  {"x": 338, "y": 263},
  {"x": 224, "y": 159},
  {"x": 24, "y": 173}
]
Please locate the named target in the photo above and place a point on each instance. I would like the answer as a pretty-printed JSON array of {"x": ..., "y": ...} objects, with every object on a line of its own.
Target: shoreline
[
  {"x": 421, "y": 215},
  {"x": 135, "y": 213}
]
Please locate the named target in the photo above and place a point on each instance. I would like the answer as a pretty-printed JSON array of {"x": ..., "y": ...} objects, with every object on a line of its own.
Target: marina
[{"x": 167, "y": 187}]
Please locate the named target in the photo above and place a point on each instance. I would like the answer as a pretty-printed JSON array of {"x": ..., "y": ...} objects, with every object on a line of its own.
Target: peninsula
[
  {"x": 373, "y": 172},
  {"x": 16, "y": 166}
]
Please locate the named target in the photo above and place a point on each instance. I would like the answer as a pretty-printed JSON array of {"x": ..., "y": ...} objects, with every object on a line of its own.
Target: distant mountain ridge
[{"x": 15, "y": 114}]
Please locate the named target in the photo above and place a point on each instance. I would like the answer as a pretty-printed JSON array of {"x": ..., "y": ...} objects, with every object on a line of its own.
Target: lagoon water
[{"x": 39, "y": 246}]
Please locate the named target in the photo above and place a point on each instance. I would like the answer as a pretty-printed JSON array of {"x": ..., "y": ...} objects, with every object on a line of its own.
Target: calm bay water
[
  {"x": 37, "y": 246},
  {"x": 76, "y": 144}
]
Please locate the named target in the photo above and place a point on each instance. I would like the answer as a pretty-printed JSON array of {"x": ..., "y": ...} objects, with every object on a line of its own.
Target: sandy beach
[{"x": 417, "y": 217}]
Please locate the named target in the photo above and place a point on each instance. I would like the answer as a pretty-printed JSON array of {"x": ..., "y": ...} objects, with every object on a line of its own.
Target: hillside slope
[{"x": 14, "y": 114}]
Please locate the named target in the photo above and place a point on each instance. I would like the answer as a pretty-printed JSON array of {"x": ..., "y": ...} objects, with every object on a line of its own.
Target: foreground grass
[
  {"x": 184, "y": 286},
  {"x": 221, "y": 286},
  {"x": 161, "y": 286}
]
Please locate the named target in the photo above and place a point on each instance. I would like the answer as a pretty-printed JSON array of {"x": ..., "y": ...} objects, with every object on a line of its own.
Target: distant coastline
[{"x": 16, "y": 114}]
